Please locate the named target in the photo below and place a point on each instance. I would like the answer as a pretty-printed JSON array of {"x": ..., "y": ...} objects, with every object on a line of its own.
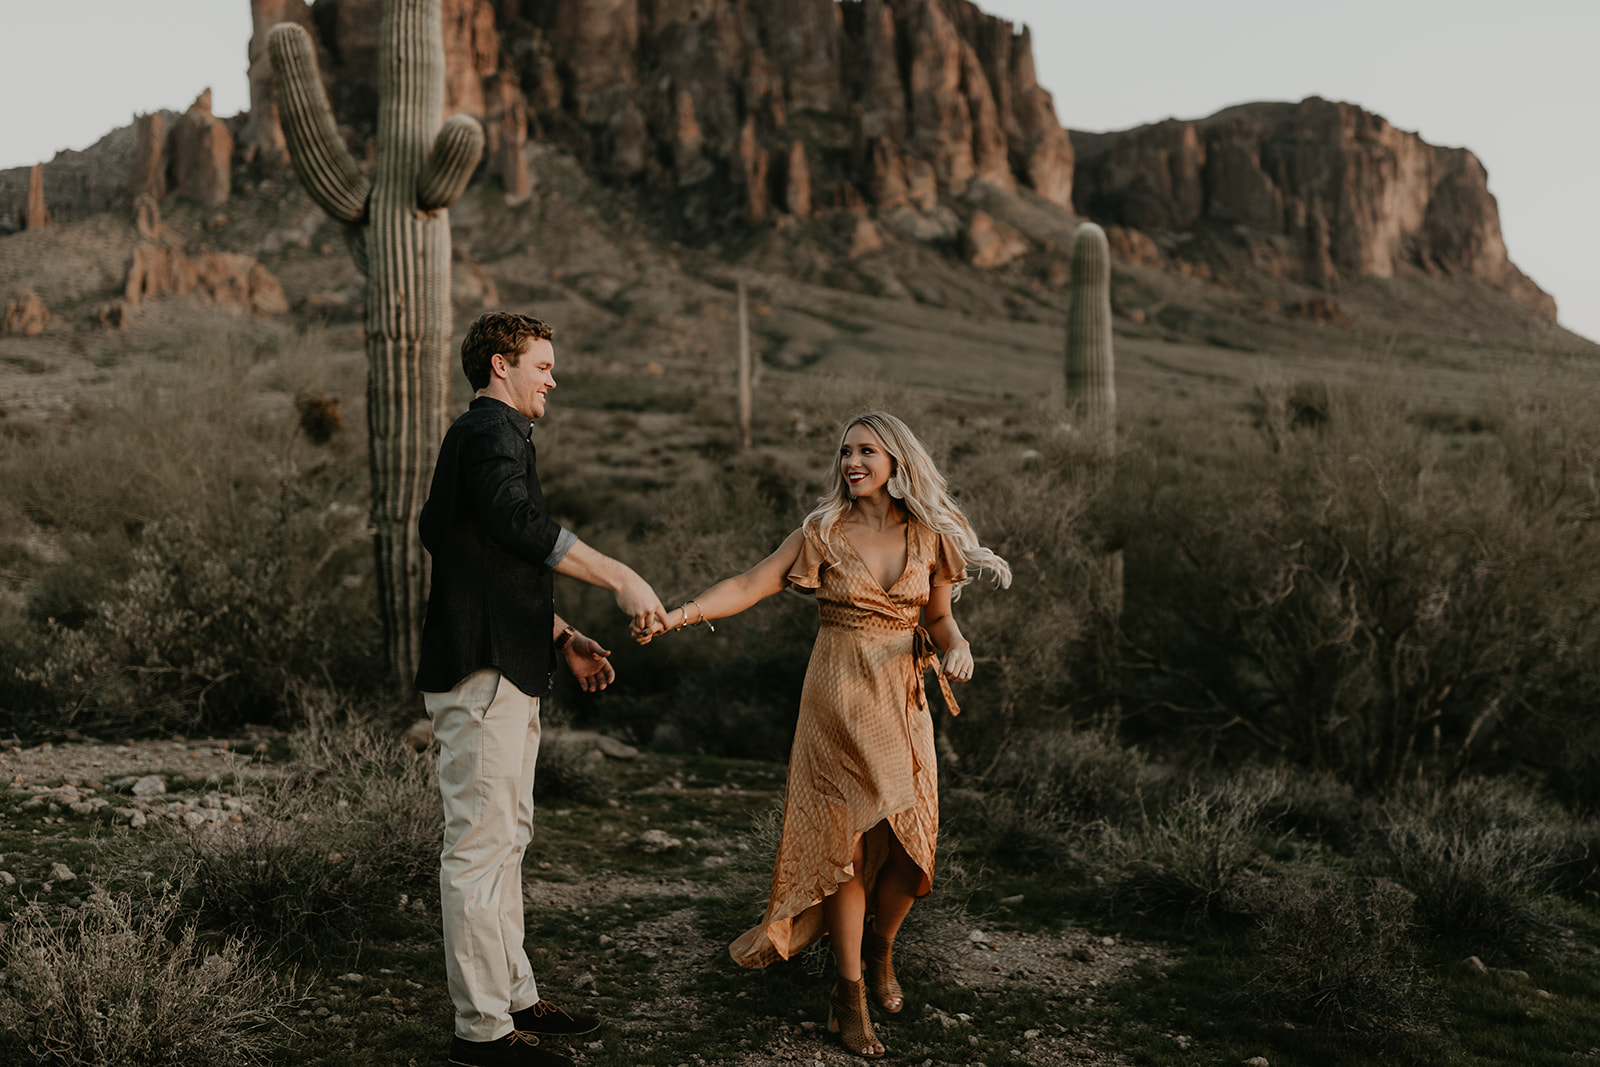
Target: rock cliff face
[
  {"x": 679, "y": 92},
  {"x": 1320, "y": 191}
]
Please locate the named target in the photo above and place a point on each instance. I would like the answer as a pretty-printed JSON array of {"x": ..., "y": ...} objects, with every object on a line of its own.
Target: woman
[{"x": 885, "y": 549}]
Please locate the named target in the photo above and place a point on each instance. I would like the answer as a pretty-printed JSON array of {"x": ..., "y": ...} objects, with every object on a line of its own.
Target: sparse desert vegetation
[{"x": 1327, "y": 740}]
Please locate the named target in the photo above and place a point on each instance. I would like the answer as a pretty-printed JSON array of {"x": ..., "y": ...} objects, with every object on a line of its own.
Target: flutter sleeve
[
  {"x": 805, "y": 575},
  {"x": 949, "y": 563}
]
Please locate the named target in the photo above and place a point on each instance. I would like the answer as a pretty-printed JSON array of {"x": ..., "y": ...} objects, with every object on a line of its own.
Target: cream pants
[{"x": 488, "y": 732}]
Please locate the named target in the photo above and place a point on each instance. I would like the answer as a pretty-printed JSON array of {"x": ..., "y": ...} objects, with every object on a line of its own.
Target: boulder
[
  {"x": 202, "y": 154},
  {"x": 26, "y": 315},
  {"x": 864, "y": 238},
  {"x": 989, "y": 243},
  {"x": 1131, "y": 246}
]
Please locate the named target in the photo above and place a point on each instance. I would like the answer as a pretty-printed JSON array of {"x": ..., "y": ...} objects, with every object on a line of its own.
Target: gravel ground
[{"x": 92, "y": 765}]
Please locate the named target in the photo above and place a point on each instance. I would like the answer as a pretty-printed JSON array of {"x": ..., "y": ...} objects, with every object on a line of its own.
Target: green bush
[
  {"x": 212, "y": 627},
  {"x": 1363, "y": 593},
  {"x": 182, "y": 551},
  {"x": 1339, "y": 953},
  {"x": 123, "y": 982},
  {"x": 1478, "y": 856},
  {"x": 1192, "y": 858},
  {"x": 1048, "y": 787}
]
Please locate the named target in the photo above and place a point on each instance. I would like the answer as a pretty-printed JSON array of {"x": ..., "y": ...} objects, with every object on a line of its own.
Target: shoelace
[
  {"x": 543, "y": 1007},
  {"x": 523, "y": 1036}
]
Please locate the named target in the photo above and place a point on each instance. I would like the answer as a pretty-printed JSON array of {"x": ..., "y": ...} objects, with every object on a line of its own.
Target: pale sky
[{"x": 1518, "y": 84}]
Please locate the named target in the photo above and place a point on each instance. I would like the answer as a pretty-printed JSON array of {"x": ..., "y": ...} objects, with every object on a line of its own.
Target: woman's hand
[
  {"x": 655, "y": 628},
  {"x": 958, "y": 663},
  {"x": 589, "y": 663}
]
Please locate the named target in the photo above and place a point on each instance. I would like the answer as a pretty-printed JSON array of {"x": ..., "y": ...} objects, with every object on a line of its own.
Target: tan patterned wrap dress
[{"x": 863, "y": 747}]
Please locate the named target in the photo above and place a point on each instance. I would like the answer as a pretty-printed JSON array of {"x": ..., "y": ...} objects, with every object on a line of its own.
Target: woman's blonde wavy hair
[{"x": 925, "y": 495}]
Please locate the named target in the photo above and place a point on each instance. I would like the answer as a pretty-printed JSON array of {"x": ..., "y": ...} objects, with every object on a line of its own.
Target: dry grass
[{"x": 124, "y": 982}]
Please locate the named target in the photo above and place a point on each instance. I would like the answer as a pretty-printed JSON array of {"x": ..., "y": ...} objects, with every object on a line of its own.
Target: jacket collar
[{"x": 523, "y": 424}]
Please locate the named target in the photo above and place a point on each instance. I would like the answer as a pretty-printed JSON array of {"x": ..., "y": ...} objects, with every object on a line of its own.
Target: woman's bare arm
[
  {"x": 939, "y": 620},
  {"x": 733, "y": 595}
]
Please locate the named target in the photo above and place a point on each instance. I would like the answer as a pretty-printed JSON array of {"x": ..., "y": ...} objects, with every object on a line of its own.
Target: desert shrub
[
  {"x": 1361, "y": 593},
  {"x": 568, "y": 768},
  {"x": 1477, "y": 855},
  {"x": 1044, "y": 645},
  {"x": 734, "y": 692},
  {"x": 123, "y": 981},
  {"x": 184, "y": 550},
  {"x": 1048, "y": 786},
  {"x": 1332, "y": 951},
  {"x": 1574, "y": 859},
  {"x": 339, "y": 843},
  {"x": 1318, "y": 806},
  {"x": 1191, "y": 859},
  {"x": 212, "y": 627}
]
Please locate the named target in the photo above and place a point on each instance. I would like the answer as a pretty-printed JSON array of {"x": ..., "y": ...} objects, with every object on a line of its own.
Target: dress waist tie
[{"x": 926, "y": 655}]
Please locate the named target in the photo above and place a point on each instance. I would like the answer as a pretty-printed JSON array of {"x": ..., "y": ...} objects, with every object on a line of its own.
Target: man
[{"x": 487, "y": 649}]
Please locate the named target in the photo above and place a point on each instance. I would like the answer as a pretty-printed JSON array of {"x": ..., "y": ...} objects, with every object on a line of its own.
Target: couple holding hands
[{"x": 884, "y": 552}]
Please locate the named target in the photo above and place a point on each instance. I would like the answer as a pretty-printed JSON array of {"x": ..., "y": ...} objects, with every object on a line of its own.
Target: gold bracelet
[{"x": 702, "y": 618}]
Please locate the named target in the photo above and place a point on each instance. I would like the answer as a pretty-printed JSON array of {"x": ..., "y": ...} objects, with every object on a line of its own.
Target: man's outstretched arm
[{"x": 634, "y": 595}]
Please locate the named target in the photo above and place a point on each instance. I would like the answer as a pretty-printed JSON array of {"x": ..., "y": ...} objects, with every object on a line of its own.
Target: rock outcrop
[
  {"x": 80, "y": 183},
  {"x": 26, "y": 315},
  {"x": 38, "y": 215},
  {"x": 147, "y": 177},
  {"x": 261, "y": 140},
  {"x": 227, "y": 280},
  {"x": 202, "y": 155},
  {"x": 1321, "y": 191},
  {"x": 685, "y": 92},
  {"x": 989, "y": 243}
]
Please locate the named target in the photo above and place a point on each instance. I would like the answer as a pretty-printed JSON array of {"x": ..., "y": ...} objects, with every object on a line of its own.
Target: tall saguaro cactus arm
[
  {"x": 1090, "y": 364},
  {"x": 320, "y": 156},
  {"x": 449, "y": 166}
]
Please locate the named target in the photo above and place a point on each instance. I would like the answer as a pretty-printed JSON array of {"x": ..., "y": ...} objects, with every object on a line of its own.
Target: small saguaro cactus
[
  {"x": 1091, "y": 379},
  {"x": 398, "y": 230}
]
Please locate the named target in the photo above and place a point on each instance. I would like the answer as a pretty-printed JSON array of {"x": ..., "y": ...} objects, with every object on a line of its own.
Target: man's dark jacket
[{"x": 486, "y": 526}]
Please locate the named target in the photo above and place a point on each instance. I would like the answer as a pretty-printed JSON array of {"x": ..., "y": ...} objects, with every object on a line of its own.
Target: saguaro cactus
[
  {"x": 1091, "y": 379},
  {"x": 398, "y": 230}
]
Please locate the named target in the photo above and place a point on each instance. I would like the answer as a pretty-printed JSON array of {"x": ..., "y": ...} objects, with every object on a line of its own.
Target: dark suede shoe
[
  {"x": 545, "y": 1018},
  {"x": 516, "y": 1049}
]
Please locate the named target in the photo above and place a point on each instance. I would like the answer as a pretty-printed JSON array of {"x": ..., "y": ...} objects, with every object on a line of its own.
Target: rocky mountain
[
  {"x": 899, "y": 150},
  {"x": 1317, "y": 191}
]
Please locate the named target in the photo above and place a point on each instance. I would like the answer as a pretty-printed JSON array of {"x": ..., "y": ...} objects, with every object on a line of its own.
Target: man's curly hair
[{"x": 504, "y": 332}]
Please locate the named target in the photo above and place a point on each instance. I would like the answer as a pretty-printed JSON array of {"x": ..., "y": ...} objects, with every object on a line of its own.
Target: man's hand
[
  {"x": 589, "y": 663},
  {"x": 640, "y": 603},
  {"x": 656, "y": 627},
  {"x": 634, "y": 595}
]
